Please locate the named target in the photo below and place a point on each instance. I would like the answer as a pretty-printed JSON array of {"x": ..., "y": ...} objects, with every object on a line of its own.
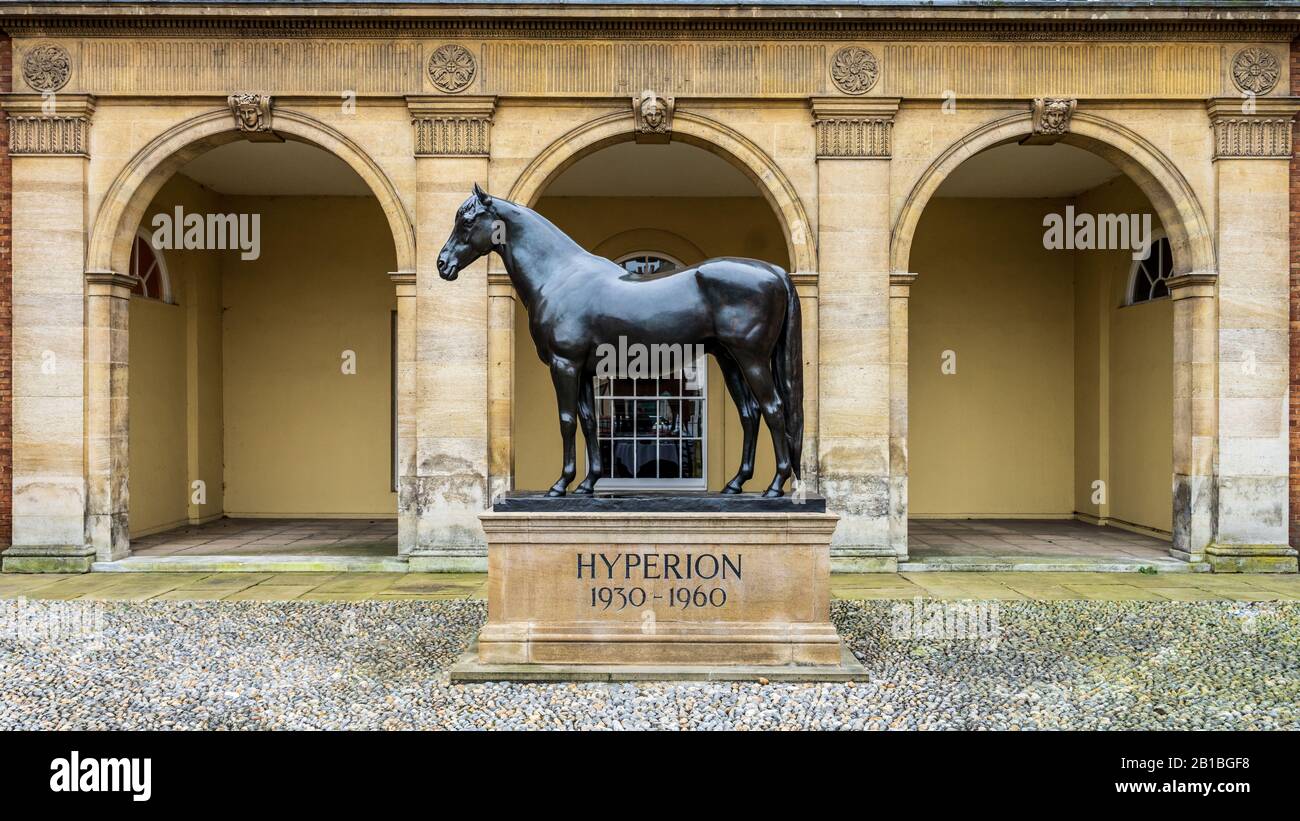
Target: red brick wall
[
  {"x": 6, "y": 310},
  {"x": 1295, "y": 308}
]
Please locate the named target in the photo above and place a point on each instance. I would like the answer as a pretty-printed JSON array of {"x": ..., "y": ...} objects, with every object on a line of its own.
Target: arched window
[
  {"x": 149, "y": 270},
  {"x": 652, "y": 431},
  {"x": 648, "y": 262},
  {"x": 1150, "y": 275}
]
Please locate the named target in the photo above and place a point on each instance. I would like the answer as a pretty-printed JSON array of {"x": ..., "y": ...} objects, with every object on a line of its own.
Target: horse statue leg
[
  {"x": 587, "y": 415},
  {"x": 759, "y": 377},
  {"x": 565, "y": 377},
  {"x": 747, "y": 407}
]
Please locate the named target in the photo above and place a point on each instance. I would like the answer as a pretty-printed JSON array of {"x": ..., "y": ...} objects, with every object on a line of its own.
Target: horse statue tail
[{"x": 787, "y": 364}]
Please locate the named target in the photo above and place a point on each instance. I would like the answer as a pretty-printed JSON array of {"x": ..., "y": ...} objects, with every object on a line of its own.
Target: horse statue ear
[{"x": 481, "y": 194}]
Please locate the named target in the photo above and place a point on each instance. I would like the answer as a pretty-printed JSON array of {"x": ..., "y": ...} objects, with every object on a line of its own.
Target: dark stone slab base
[{"x": 644, "y": 502}]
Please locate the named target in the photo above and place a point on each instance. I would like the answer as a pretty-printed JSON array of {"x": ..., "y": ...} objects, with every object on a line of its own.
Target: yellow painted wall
[
  {"x": 691, "y": 229},
  {"x": 159, "y": 485},
  {"x": 996, "y": 437},
  {"x": 174, "y": 386},
  {"x": 240, "y": 384},
  {"x": 301, "y": 437},
  {"x": 1128, "y": 391},
  {"x": 1058, "y": 383}
]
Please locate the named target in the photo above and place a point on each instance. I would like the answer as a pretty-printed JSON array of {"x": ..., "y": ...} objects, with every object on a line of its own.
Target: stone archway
[
  {"x": 108, "y": 290},
  {"x": 1175, "y": 202},
  {"x": 1192, "y": 288},
  {"x": 126, "y": 199},
  {"x": 696, "y": 130}
]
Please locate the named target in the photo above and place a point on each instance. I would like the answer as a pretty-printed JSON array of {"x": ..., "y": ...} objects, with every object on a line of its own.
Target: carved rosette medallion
[
  {"x": 854, "y": 70},
  {"x": 451, "y": 68},
  {"x": 47, "y": 68},
  {"x": 1255, "y": 70}
]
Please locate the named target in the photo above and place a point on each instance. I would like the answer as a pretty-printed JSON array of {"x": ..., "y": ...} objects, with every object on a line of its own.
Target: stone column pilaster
[
  {"x": 408, "y": 520},
  {"x": 854, "y": 437},
  {"x": 48, "y": 142},
  {"x": 806, "y": 287},
  {"x": 501, "y": 369},
  {"x": 1252, "y": 150},
  {"x": 1195, "y": 413},
  {"x": 900, "y": 288},
  {"x": 450, "y": 486},
  {"x": 108, "y": 311}
]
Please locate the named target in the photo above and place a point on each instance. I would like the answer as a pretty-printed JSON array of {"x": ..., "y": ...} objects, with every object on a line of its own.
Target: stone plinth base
[
  {"x": 1251, "y": 558},
  {"x": 469, "y": 670},
  {"x": 47, "y": 559},
  {"x": 447, "y": 560},
  {"x": 653, "y": 591}
]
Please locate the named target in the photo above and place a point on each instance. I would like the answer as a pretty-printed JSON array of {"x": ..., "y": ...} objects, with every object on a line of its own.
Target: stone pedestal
[{"x": 673, "y": 595}]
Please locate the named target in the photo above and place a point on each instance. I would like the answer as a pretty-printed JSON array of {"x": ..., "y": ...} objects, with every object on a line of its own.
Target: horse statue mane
[{"x": 742, "y": 312}]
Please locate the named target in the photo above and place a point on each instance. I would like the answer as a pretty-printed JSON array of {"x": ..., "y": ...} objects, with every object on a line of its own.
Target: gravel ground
[{"x": 306, "y": 665}]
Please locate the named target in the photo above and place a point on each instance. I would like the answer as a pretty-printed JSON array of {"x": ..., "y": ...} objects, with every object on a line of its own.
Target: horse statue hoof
[
  {"x": 554, "y": 494},
  {"x": 731, "y": 489},
  {"x": 773, "y": 494}
]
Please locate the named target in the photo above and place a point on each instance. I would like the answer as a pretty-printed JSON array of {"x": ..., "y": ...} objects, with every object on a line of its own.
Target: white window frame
[
  {"x": 702, "y": 483},
  {"x": 660, "y": 254},
  {"x": 1135, "y": 270},
  {"x": 166, "y": 289}
]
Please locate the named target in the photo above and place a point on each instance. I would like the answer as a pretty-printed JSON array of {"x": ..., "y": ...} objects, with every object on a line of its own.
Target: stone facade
[{"x": 847, "y": 122}]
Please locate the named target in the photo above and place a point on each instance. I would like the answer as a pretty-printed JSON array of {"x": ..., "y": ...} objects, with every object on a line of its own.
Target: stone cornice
[
  {"x": 854, "y": 127},
  {"x": 566, "y": 22},
  {"x": 1256, "y": 128},
  {"x": 54, "y": 125}
]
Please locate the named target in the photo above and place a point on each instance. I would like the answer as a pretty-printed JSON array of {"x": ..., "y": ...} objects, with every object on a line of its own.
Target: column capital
[
  {"x": 1254, "y": 128},
  {"x": 854, "y": 127},
  {"x": 900, "y": 285},
  {"x": 110, "y": 283},
  {"x": 49, "y": 125},
  {"x": 451, "y": 126},
  {"x": 404, "y": 282},
  {"x": 1192, "y": 285}
]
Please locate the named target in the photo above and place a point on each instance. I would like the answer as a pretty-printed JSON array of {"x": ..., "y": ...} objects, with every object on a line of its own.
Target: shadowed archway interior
[
  {"x": 1037, "y": 390},
  {"x": 264, "y": 391}
]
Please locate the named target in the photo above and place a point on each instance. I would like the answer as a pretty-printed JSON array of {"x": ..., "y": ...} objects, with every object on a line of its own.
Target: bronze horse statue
[{"x": 743, "y": 312}]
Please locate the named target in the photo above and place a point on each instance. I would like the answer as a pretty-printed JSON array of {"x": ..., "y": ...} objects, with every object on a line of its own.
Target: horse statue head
[{"x": 474, "y": 234}]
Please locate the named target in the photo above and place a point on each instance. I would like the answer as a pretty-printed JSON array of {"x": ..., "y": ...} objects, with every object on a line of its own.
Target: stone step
[{"x": 254, "y": 564}]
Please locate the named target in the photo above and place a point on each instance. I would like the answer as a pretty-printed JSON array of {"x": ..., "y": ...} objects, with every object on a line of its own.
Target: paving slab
[
  {"x": 13, "y": 585},
  {"x": 1114, "y": 592},
  {"x": 360, "y": 583},
  {"x": 271, "y": 592}
]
